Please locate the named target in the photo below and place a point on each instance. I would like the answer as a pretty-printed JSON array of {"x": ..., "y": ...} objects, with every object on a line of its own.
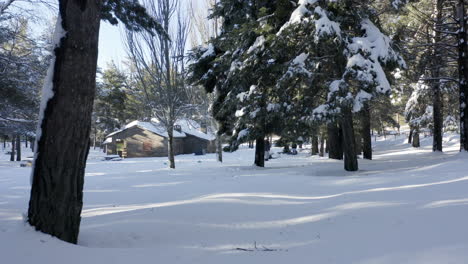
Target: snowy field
[{"x": 406, "y": 206}]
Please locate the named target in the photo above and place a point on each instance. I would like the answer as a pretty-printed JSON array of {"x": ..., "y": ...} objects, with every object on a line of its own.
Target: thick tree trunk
[
  {"x": 219, "y": 148},
  {"x": 18, "y": 148},
  {"x": 334, "y": 142},
  {"x": 170, "y": 148},
  {"x": 315, "y": 145},
  {"x": 26, "y": 139},
  {"x": 63, "y": 142},
  {"x": 260, "y": 152},
  {"x": 436, "y": 93},
  {"x": 366, "y": 132},
  {"x": 13, "y": 148},
  {"x": 349, "y": 148},
  {"x": 415, "y": 142},
  {"x": 463, "y": 75}
]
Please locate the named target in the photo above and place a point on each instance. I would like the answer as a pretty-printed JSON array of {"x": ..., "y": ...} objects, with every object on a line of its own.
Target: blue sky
[{"x": 110, "y": 45}]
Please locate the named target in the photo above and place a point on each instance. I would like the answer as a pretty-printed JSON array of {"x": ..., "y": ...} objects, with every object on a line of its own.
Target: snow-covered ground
[{"x": 406, "y": 206}]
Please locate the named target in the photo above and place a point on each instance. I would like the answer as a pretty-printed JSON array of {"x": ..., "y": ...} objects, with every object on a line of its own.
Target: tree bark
[
  {"x": 358, "y": 143},
  {"x": 315, "y": 145},
  {"x": 63, "y": 144},
  {"x": 415, "y": 142},
  {"x": 170, "y": 147},
  {"x": 436, "y": 93},
  {"x": 349, "y": 148},
  {"x": 13, "y": 148},
  {"x": 18, "y": 148},
  {"x": 463, "y": 75},
  {"x": 260, "y": 152},
  {"x": 334, "y": 142},
  {"x": 366, "y": 132},
  {"x": 219, "y": 148}
]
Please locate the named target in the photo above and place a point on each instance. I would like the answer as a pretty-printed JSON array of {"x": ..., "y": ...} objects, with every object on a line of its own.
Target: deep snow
[{"x": 406, "y": 206}]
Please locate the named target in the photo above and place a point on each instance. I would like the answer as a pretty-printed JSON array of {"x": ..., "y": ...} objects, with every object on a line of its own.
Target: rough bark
[
  {"x": 366, "y": 132},
  {"x": 349, "y": 148},
  {"x": 358, "y": 143},
  {"x": 415, "y": 142},
  {"x": 334, "y": 142},
  {"x": 463, "y": 75},
  {"x": 62, "y": 149},
  {"x": 436, "y": 93},
  {"x": 219, "y": 148},
  {"x": 260, "y": 152},
  {"x": 18, "y": 148},
  {"x": 13, "y": 148},
  {"x": 170, "y": 147},
  {"x": 315, "y": 145}
]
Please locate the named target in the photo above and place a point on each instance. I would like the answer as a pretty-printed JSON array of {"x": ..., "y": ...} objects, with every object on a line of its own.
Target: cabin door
[{"x": 121, "y": 148}]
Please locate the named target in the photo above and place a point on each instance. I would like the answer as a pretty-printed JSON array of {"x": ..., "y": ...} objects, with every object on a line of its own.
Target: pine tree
[
  {"x": 63, "y": 138},
  {"x": 353, "y": 55}
]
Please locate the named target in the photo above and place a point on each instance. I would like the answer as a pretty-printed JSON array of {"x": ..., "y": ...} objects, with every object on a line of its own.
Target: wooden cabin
[{"x": 149, "y": 139}]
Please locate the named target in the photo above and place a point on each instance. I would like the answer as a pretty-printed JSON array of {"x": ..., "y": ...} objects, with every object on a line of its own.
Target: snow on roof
[
  {"x": 187, "y": 126},
  {"x": 191, "y": 127}
]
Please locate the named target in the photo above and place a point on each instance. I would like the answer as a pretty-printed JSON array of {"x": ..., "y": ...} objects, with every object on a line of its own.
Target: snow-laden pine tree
[
  {"x": 241, "y": 67},
  {"x": 350, "y": 53}
]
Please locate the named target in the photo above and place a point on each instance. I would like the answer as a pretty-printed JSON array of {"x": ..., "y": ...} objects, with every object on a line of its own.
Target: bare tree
[{"x": 159, "y": 66}]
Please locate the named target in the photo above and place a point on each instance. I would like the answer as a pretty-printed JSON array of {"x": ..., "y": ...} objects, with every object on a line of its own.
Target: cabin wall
[{"x": 143, "y": 143}]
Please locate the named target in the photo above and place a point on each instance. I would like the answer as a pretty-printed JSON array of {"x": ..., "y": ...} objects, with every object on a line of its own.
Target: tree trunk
[
  {"x": 63, "y": 140},
  {"x": 13, "y": 148},
  {"x": 170, "y": 147},
  {"x": 436, "y": 93},
  {"x": 260, "y": 152},
  {"x": 26, "y": 142},
  {"x": 366, "y": 132},
  {"x": 315, "y": 145},
  {"x": 4, "y": 142},
  {"x": 18, "y": 148},
  {"x": 410, "y": 137},
  {"x": 416, "y": 143},
  {"x": 349, "y": 148},
  {"x": 463, "y": 75},
  {"x": 358, "y": 143},
  {"x": 334, "y": 144},
  {"x": 219, "y": 148}
]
